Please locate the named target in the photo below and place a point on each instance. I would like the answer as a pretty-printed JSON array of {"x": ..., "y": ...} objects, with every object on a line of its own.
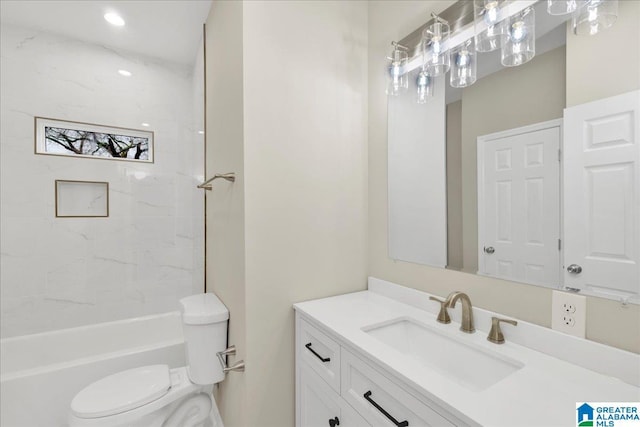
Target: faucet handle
[
  {"x": 495, "y": 334},
  {"x": 443, "y": 315}
]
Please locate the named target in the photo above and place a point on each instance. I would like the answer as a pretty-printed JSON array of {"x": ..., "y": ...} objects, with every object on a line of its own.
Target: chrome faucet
[{"x": 467, "y": 310}]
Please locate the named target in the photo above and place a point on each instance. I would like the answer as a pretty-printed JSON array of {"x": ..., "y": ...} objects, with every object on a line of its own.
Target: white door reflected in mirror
[{"x": 519, "y": 204}]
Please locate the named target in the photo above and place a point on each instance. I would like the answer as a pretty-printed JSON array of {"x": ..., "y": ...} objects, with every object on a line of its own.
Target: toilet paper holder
[{"x": 238, "y": 366}]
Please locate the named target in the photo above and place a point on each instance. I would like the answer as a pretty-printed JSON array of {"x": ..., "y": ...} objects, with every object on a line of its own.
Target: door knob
[
  {"x": 334, "y": 422},
  {"x": 489, "y": 250},
  {"x": 574, "y": 269}
]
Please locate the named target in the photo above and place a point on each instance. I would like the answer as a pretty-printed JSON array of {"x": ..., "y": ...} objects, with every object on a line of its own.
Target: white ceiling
[{"x": 166, "y": 29}]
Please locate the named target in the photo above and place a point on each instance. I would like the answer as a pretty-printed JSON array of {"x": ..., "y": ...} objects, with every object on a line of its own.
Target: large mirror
[{"x": 529, "y": 196}]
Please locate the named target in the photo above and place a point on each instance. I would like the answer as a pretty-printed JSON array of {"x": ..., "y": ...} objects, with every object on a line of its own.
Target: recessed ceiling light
[
  {"x": 114, "y": 19},
  {"x": 145, "y": 124},
  {"x": 124, "y": 73}
]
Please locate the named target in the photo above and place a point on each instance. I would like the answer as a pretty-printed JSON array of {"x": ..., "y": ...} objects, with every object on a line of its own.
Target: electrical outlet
[
  {"x": 568, "y": 320},
  {"x": 569, "y": 313}
]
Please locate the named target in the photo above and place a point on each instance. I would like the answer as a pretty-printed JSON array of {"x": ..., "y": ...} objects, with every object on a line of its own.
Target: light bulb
[
  {"x": 489, "y": 25},
  {"x": 463, "y": 58},
  {"x": 518, "y": 31},
  {"x": 491, "y": 13},
  {"x": 425, "y": 90},
  {"x": 394, "y": 70},
  {"x": 422, "y": 80},
  {"x": 397, "y": 81},
  {"x": 464, "y": 67},
  {"x": 436, "y": 47}
]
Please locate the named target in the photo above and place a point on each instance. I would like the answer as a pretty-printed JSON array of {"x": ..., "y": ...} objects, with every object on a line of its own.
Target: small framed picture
[
  {"x": 76, "y": 139},
  {"x": 81, "y": 199}
]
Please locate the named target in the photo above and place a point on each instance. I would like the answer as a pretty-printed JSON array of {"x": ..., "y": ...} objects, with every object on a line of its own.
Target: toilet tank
[{"x": 204, "y": 322}]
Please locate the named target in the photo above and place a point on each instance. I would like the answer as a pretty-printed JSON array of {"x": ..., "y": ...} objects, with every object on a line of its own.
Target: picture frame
[{"x": 87, "y": 140}]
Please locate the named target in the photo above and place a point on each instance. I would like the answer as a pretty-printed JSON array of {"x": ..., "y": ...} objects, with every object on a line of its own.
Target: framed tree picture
[{"x": 76, "y": 139}]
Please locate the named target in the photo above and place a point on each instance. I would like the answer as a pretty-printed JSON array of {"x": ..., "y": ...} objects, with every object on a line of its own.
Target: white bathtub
[{"x": 40, "y": 373}]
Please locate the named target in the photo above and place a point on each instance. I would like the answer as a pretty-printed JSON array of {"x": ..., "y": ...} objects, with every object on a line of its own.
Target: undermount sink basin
[{"x": 473, "y": 367}]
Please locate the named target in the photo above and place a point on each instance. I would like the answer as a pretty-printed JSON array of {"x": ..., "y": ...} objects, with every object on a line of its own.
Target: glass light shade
[
  {"x": 397, "y": 78},
  {"x": 562, "y": 7},
  {"x": 488, "y": 24},
  {"x": 436, "y": 60},
  {"x": 520, "y": 41},
  {"x": 464, "y": 64},
  {"x": 596, "y": 16},
  {"x": 424, "y": 82}
]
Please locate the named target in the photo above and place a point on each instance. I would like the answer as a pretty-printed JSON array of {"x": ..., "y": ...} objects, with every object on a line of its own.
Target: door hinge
[
  {"x": 559, "y": 244},
  {"x": 559, "y": 155}
]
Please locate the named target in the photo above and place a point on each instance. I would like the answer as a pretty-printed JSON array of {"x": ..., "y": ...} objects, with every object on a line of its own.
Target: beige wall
[
  {"x": 306, "y": 178},
  {"x": 454, "y": 185},
  {"x": 225, "y": 261},
  {"x": 507, "y": 99},
  {"x": 607, "y": 321},
  {"x": 302, "y": 153},
  {"x": 608, "y": 63}
]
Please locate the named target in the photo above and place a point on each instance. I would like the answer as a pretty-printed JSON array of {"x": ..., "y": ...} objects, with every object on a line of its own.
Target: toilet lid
[{"x": 122, "y": 392}]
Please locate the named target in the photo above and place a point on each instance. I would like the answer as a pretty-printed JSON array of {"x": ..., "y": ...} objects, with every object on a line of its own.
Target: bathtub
[{"x": 40, "y": 373}]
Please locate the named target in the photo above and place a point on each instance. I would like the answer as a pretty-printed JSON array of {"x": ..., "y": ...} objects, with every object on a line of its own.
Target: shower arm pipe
[{"x": 231, "y": 177}]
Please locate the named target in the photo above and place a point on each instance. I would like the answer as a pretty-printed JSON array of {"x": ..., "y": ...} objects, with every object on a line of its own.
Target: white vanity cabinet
[{"x": 334, "y": 385}]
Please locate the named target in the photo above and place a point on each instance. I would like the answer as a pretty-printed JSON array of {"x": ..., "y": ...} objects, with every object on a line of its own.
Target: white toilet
[{"x": 154, "y": 396}]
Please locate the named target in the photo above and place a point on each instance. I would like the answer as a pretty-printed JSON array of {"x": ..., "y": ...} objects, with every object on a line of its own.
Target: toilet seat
[
  {"x": 147, "y": 415},
  {"x": 122, "y": 392}
]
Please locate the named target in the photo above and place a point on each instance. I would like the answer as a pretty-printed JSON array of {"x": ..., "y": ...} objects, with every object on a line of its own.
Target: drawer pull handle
[
  {"x": 367, "y": 396},
  {"x": 324, "y": 359},
  {"x": 334, "y": 422}
]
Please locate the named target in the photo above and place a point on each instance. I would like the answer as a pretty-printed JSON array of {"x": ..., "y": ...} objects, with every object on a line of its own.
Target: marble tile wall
[{"x": 65, "y": 272}]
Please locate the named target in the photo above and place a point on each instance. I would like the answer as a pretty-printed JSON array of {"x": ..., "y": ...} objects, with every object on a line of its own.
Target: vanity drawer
[
  {"x": 319, "y": 404},
  {"x": 382, "y": 402},
  {"x": 320, "y": 352}
]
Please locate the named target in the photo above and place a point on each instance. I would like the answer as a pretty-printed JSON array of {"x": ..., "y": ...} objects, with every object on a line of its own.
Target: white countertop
[{"x": 542, "y": 393}]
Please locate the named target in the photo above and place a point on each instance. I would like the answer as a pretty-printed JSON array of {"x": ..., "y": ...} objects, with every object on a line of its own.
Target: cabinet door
[
  {"x": 320, "y": 406},
  {"x": 602, "y": 196}
]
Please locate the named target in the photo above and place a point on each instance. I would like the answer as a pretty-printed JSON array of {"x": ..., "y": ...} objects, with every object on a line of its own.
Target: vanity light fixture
[
  {"x": 562, "y": 7},
  {"x": 464, "y": 64},
  {"x": 488, "y": 24},
  {"x": 435, "y": 40},
  {"x": 595, "y": 16},
  {"x": 508, "y": 24},
  {"x": 125, "y": 73},
  {"x": 114, "y": 19},
  {"x": 520, "y": 41},
  {"x": 397, "y": 77}
]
